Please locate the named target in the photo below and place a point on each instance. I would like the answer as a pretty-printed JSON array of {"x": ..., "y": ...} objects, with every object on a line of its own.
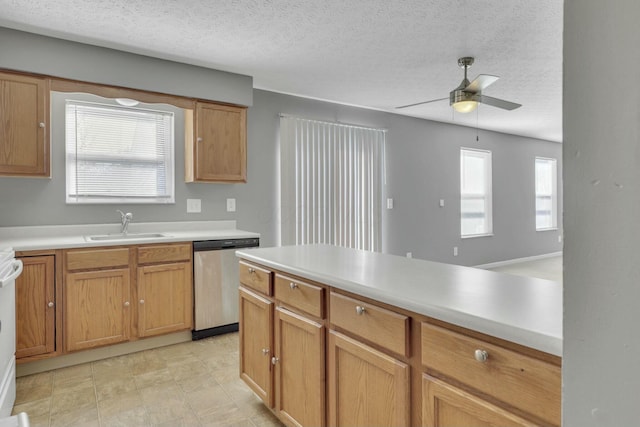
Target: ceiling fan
[{"x": 467, "y": 95}]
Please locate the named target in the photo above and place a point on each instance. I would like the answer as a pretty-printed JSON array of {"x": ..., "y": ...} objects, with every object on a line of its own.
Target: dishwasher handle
[{"x": 213, "y": 245}]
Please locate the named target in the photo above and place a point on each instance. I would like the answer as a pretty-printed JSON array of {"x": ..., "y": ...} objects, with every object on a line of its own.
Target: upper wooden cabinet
[
  {"x": 24, "y": 136},
  {"x": 216, "y": 143}
]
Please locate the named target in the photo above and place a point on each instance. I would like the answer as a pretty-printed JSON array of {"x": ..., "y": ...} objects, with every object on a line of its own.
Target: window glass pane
[
  {"x": 118, "y": 154},
  {"x": 475, "y": 192},
  {"x": 546, "y": 195}
]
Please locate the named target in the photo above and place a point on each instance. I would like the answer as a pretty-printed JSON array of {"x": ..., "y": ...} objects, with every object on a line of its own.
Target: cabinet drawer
[
  {"x": 256, "y": 278},
  {"x": 376, "y": 324},
  {"x": 522, "y": 381},
  {"x": 97, "y": 258},
  {"x": 300, "y": 295},
  {"x": 164, "y": 253}
]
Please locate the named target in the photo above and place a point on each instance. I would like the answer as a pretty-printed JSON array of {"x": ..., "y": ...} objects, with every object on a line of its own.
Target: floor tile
[{"x": 189, "y": 384}]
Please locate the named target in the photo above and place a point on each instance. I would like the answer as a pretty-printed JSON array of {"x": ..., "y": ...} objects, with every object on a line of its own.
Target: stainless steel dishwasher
[{"x": 216, "y": 281}]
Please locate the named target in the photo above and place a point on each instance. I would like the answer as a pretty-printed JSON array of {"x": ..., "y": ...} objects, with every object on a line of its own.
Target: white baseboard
[{"x": 518, "y": 260}]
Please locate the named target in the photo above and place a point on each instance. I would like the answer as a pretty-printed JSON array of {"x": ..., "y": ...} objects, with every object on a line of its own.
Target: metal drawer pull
[
  {"x": 360, "y": 310},
  {"x": 126, "y": 304},
  {"x": 293, "y": 285},
  {"x": 50, "y": 305},
  {"x": 252, "y": 270},
  {"x": 141, "y": 301},
  {"x": 481, "y": 355},
  {"x": 265, "y": 351},
  {"x": 274, "y": 360}
]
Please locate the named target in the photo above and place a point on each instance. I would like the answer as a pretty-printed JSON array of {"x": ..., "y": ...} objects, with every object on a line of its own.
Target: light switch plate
[
  {"x": 231, "y": 205},
  {"x": 194, "y": 205}
]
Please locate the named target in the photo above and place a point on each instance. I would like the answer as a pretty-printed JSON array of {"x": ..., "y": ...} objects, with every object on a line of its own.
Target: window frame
[
  {"x": 553, "y": 196},
  {"x": 487, "y": 195},
  {"x": 71, "y": 158}
]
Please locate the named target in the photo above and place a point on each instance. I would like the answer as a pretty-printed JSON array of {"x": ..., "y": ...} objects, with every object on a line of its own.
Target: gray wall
[
  {"x": 422, "y": 167},
  {"x": 601, "y": 375},
  {"x": 60, "y": 58}
]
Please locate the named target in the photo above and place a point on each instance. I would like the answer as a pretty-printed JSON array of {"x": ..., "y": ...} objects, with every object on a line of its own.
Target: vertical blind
[
  {"x": 118, "y": 154},
  {"x": 332, "y": 178}
]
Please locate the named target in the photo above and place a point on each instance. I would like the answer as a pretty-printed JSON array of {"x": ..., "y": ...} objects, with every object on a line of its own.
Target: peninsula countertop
[{"x": 523, "y": 310}]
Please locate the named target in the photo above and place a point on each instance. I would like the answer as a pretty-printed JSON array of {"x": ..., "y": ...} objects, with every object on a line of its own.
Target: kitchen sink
[{"x": 120, "y": 236}]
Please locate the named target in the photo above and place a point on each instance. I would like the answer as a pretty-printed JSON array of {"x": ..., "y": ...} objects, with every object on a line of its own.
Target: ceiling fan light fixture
[{"x": 465, "y": 106}]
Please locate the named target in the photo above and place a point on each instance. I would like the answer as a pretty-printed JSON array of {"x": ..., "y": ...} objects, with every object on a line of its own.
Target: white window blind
[
  {"x": 332, "y": 178},
  {"x": 118, "y": 154},
  {"x": 546, "y": 194},
  {"x": 476, "y": 194}
]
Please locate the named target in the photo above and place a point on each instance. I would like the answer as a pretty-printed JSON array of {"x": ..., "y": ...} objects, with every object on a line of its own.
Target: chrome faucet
[{"x": 125, "y": 218}]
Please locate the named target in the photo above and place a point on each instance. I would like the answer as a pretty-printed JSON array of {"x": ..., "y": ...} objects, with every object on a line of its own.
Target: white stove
[{"x": 10, "y": 269}]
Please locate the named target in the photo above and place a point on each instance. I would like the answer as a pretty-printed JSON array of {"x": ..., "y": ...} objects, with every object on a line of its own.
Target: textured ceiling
[{"x": 375, "y": 53}]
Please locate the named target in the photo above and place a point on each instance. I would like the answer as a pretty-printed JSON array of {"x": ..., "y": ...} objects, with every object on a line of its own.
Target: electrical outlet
[
  {"x": 409, "y": 255},
  {"x": 560, "y": 238},
  {"x": 442, "y": 203},
  {"x": 194, "y": 205},
  {"x": 455, "y": 251},
  {"x": 389, "y": 203},
  {"x": 231, "y": 205}
]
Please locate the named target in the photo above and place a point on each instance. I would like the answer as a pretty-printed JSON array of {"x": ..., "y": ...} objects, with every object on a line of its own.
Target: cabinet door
[
  {"x": 220, "y": 143},
  {"x": 444, "y": 405},
  {"x": 256, "y": 338},
  {"x": 165, "y": 298},
  {"x": 96, "y": 310},
  {"x": 299, "y": 369},
  {"x": 35, "y": 307},
  {"x": 366, "y": 386},
  {"x": 24, "y": 147}
]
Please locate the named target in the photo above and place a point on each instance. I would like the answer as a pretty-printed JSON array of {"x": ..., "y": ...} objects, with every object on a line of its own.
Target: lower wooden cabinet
[
  {"x": 97, "y": 308},
  {"x": 165, "y": 295},
  {"x": 256, "y": 340},
  {"x": 36, "y": 307},
  {"x": 299, "y": 369},
  {"x": 444, "y": 405},
  {"x": 366, "y": 387}
]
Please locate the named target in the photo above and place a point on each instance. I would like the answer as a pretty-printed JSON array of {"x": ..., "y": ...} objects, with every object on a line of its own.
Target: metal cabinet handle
[
  {"x": 198, "y": 139},
  {"x": 41, "y": 124},
  {"x": 274, "y": 360},
  {"x": 265, "y": 351},
  {"x": 126, "y": 304},
  {"x": 360, "y": 310},
  {"x": 51, "y": 304},
  {"x": 293, "y": 285},
  {"x": 252, "y": 270},
  {"x": 481, "y": 355},
  {"x": 141, "y": 301}
]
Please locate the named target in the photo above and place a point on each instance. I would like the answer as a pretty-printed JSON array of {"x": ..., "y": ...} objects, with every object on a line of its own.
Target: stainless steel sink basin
[{"x": 119, "y": 236}]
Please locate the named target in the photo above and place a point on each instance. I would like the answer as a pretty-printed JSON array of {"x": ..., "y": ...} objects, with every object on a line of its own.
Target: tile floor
[{"x": 187, "y": 384}]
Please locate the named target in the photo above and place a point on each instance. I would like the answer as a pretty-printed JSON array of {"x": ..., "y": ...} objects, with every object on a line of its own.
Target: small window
[
  {"x": 475, "y": 193},
  {"x": 117, "y": 154},
  {"x": 546, "y": 194}
]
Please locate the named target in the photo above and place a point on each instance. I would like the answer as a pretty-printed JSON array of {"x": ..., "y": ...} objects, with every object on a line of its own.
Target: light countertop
[
  {"x": 73, "y": 236},
  {"x": 524, "y": 310}
]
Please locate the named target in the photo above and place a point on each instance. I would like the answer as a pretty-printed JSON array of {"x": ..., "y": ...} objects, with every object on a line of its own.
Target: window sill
[
  {"x": 547, "y": 229},
  {"x": 477, "y": 235}
]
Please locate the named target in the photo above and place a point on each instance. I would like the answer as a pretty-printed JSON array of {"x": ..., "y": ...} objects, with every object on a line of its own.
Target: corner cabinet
[
  {"x": 216, "y": 143},
  {"x": 24, "y": 136},
  {"x": 36, "y": 307}
]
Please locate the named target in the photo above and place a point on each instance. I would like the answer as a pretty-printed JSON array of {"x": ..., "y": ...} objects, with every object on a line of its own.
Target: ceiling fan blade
[
  {"x": 481, "y": 82},
  {"x": 420, "y": 103},
  {"x": 500, "y": 103}
]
